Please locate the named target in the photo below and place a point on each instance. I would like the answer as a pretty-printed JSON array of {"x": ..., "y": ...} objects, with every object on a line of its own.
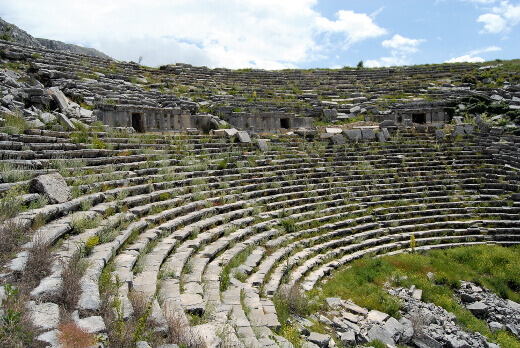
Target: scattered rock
[
  {"x": 243, "y": 137},
  {"x": 53, "y": 186},
  {"x": 319, "y": 339},
  {"x": 262, "y": 145}
]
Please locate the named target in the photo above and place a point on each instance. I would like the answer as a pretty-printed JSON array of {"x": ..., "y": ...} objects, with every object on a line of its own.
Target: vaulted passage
[
  {"x": 285, "y": 123},
  {"x": 419, "y": 118},
  {"x": 138, "y": 122}
]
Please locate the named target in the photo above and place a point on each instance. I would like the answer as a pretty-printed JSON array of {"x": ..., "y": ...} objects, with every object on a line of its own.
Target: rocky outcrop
[
  {"x": 62, "y": 46},
  {"x": 10, "y": 32}
]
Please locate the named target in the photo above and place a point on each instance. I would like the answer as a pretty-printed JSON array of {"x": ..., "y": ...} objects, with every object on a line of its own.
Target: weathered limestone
[
  {"x": 53, "y": 187},
  {"x": 45, "y": 315}
]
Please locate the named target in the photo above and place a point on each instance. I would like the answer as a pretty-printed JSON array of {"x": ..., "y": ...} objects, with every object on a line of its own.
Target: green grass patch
[{"x": 492, "y": 266}]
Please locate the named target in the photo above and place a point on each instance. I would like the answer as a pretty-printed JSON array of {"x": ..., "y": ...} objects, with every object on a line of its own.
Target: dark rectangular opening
[
  {"x": 138, "y": 122},
  {"x": 285, "y": 123},
  {"x": 419, "y": 118}
]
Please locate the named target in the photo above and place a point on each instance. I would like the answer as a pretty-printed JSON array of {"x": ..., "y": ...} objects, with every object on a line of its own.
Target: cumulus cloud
[
  {"x": 466, "y": 58},
  {"x": 400, "y": 45},
  {"x": 493, "y": 23},
  {"x": 501, "y": 18},
  {"x": 353, "y": 26},
  {"x": 232, "y": 33},
  {"x": 400, "y": 48},
  {"x": 472, "y": 58}
]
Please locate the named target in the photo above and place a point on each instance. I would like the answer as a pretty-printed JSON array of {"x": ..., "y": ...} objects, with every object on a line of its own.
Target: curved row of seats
[{"x": 212, "y": 229}]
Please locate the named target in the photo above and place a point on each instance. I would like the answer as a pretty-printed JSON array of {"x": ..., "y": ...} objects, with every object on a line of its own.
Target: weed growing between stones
[
  {"x": 16, "y": 329},
  {"x": 14, "y": 123},
  {"x": 73, "y": 270},
  {"x": 38, "y": 264},
  {"x": 13, "y": 234},
  {"x": 11, "y": 203},
  {"x": 292, "y": 301},
  {"x": 179, "y": 331},
  {"x": 10, "y": 173},
  {"x": 72, "y": 336}
]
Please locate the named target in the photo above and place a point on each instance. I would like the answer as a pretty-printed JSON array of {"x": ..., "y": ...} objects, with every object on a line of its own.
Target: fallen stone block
[
  {"x": 64, "y": 120},
  {"x": 262, "y": 145},
  {"x": 377, "y": 316},
  {"x": 478, "y": 309},
  {"x": 368, "y": 134},
  {"x": 439, "y": 135},
  {"x": 348, "y": 338},
  {"x": 319, "y": 339},
  {"x": 333, "y": 130},
  {"x": 53, "y": 186},
  {"x": 243, "y": 137},
  {"x": 381, "y": 334},
  {"x": 337, "y": 139},
  {"x": 353, "y": 134},
  {"x": 94, "y": 324}
]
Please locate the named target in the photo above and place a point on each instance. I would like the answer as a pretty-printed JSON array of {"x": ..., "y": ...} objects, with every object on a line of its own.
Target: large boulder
[{"x": 53, "y": 186}]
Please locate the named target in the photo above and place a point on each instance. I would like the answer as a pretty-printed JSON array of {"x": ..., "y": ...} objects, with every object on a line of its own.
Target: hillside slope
[{"x": 11, "y": 32}]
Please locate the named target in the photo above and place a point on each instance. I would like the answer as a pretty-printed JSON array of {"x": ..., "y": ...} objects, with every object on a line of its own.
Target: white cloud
[
  {"x": 466, "y": 58},
  {"x": 353, "y": 26},
  {"x": 471, "y": 57},
  {"x": 402, "y": 45},
  {"x": 486, "y": 50},
  {"x": 501, "y": 18},
  {"x": 400, "y": 48},
  {"x": 386, "y": 61},
  {"x": 493, "y": 23},
  {"x": 267, "y": 34}
]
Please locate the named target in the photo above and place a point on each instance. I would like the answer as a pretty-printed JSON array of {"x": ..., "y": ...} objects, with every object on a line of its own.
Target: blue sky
[{"x": 277, "y": 34}]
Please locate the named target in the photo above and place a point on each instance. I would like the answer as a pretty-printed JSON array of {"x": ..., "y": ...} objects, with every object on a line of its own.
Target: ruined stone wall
[{"x": 153, "y": 119}]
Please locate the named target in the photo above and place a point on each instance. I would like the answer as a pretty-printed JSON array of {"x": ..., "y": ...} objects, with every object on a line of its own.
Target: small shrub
[
  {"x": 98, "y": 143},
  {"x": 12, "y": 174},
  {"x": 180, "y": 333},
  {"x": 292, "y": 300},
  {"x": 14, "y": 123},
  {"x": 288, "y": 225},
  {"x": 81, "y": 222},
  {"x": 224, "y": 278},
  {"x": 292, "y": 334},
  {"x": 42, "y": 201},
  {"x": 91, "y": 242},
  {"x": 16, "y": 329},
  {"x": 376, "y": 344},
  {"x": 467, "y": 78},
  {"x": 73, "y": 270},
  {"x": 12, "y": 235},
  {"x": 70, "y": 335},
  {"x": 164, "y": 196},
  {"x": 80, "y": 137},
  {"x": 11, "y": 203},
  {"x": 38, "y": 264},
  {"x": 223, "y": 164}
]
